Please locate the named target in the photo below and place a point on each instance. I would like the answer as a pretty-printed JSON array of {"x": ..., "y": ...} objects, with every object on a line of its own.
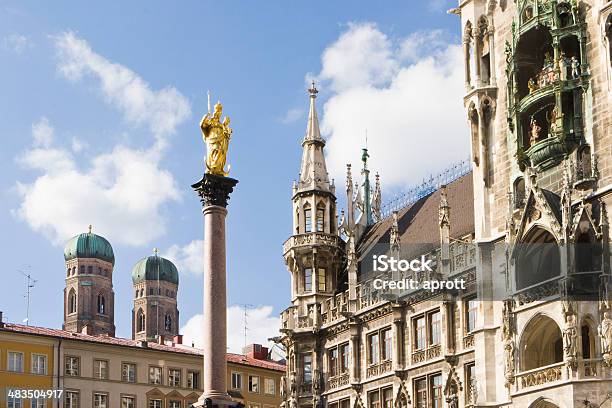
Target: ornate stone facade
[{"x": 533, "y": 326}]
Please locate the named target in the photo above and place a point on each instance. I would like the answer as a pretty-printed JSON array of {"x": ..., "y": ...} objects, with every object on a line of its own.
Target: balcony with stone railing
[
  {"x": 311, "y": 239},
  {"x": 378, "y": 369},
  {"x": 338, "y": 381},
  {"x": 468, "y": 341},
  {"x": 291, "y": 320},
  {"x": 537, "y": 377},
  {"x": 429, "y": 353},
  {"x": 334, "y": 307}
]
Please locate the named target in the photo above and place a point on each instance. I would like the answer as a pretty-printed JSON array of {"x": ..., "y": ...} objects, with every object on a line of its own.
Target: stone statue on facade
[
  {"x": 216, "y": 135},
  {"x": 509, "y": 361},
  {"x": 535, "y": 130},
  {"x": 570, "y": 334},
  {"x": 562, "y": 63},
  {"x": 605, "y": 333},
  {"x": 575, "y": 67}
]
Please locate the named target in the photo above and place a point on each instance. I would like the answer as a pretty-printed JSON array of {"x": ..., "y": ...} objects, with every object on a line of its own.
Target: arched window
[
  {"x": 168, "y": 322},
  {"x": 320, "y": 218},
  {"x": 538, "y": 258},
  {"x": 82, "y": 269},
  {"x": 587, "y": 341},
  {"x": 519, "y": 193},
  {"x": 68, "y": 272},
  {"x": 307, "y": 219},
  {"x": 101, "y": 304},
  {"x": 74, "y": 270},
  {"x": 150, "y": 291},
  {"x": 141, "y": 292},
  {"x": 483, "y": 69},
  {"x": 541, "y": 343},
  {"x": 140, "y": 321},
  {"x": 72, "y": 302}
]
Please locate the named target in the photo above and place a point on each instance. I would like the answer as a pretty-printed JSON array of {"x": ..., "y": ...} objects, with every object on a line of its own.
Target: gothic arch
[
  {"x": 72, "y": 301},
  {"x": 474, "y": 124},
  {"x": 101, "y": 304},
  {"x": 541, "y": 343},
  {"x": 140, "y": 321},
  {"x": 538, "y": 257},
  {"x": 588, "y": 335},
  {"x": 542, "y": 402}
]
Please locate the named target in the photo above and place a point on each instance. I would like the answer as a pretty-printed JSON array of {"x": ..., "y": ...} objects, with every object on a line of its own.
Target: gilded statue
[{"x": 216, "y": 135}]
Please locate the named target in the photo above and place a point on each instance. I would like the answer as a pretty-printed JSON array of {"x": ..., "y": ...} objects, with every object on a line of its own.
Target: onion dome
[
  {"x": 155, "y": 267},
  {"x": 89, "y": 245}
]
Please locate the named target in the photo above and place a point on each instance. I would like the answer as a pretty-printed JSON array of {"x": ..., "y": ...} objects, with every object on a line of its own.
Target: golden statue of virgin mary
[{"x": 216, "y": 135}]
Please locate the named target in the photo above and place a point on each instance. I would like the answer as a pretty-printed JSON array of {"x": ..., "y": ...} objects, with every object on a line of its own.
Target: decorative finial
[
  {"x": 313, "y": 91},
  {"x": 155, "y": 251},
  {"x": 90, "y": 227}
]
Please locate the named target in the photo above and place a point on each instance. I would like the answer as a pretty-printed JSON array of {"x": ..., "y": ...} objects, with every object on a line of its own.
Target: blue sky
[{"x": 100, "y": 109}]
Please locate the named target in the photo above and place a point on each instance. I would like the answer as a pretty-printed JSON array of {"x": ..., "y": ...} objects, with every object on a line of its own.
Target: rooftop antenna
[
  {"x": 30, "y": 282},
  {"x": 246, "y": 324}
]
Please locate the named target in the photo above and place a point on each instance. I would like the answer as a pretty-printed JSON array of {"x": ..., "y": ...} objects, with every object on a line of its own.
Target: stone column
[
  {"x": 466, "y": 60},
  {"x": 492, "y": 67},
  {"x": 398, "y": 329},
  {"x": 214, "y": 193}
]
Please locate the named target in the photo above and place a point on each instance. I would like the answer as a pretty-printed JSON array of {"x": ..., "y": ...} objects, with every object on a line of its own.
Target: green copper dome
[
  {"x": 148, "y": 269},
  {"x": 89, "y": 245}
]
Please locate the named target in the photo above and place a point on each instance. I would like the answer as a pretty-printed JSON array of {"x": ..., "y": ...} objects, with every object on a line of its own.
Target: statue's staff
[{"x": 208, "y": 93}]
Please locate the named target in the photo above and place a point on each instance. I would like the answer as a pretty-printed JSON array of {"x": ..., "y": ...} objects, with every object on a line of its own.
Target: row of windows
[
  {"x": 321, "y": 284},
  {"x": 320, "y": 220},
  {"x": 426, "y": 328},
  {"x": 128, "y": 373},
  {"x": 253, "y": 384},
  {"x": 154, "y": 291},
  {"x": 15, "y": 363},
  {"x": 90, "y": 271},
  {"x": 73, "y": 305},
  {"x": 141, "y": 321},
  {"x": 101, "y": 400}
]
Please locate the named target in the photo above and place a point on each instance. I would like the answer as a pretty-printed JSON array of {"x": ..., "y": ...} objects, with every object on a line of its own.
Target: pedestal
[{"x": 214, "y": 193}]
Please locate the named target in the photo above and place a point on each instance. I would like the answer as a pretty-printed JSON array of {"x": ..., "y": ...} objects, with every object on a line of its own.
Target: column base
[{"x": 217, "y": 400}]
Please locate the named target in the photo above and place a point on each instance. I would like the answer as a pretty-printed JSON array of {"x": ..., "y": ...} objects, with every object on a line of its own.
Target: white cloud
[
  {"x": 162, "y": 111},
  {"x": 17, "y": 43},
  {"x": 407, "y": 93},
  {"x": 292, "y": 115},
  {"x": 42, "y": 133},
  {"x": 361, "y": 56},
  {"x": 123, "y": 191},
  {"x": 188, "y": 258},
  {"x": 260, "y": 322}
]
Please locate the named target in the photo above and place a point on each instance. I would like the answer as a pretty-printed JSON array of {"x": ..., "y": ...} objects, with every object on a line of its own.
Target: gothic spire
[
  {"x": 366, "y": 188},
  {"x": 313, "y": 173},
  {"x": 312, "y": 130}
]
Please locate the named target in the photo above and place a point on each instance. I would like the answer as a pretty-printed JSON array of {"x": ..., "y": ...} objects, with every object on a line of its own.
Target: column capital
[{"x": 214, "y": 190}]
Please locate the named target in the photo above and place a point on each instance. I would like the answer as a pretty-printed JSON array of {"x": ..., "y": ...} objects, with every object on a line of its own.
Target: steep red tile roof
[{"x": 118, "y": 341}]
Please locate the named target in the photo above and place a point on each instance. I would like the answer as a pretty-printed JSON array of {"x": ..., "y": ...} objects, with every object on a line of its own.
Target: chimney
[
  {"x": 1, "y": 321},
  {"x": 160, "y": 339},
  {"x": 178, "y": 339},
  {"x": 256, "y": 351}
]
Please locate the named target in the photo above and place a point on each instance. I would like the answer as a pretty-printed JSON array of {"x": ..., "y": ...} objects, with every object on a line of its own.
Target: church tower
[
  {"x": 155, "y": 283},
  {"x": 89, "y": 299},
  {"x": 312, "y": 252}
]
